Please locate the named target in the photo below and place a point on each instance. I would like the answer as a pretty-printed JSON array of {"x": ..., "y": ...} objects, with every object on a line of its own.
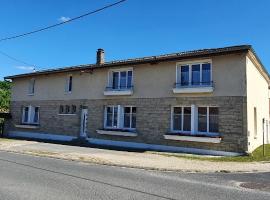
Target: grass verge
[{"x": 255, "y": 156}]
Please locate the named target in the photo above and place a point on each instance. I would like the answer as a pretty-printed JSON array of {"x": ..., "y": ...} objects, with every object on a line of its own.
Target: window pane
[
  {"x": 206, "y": 74},
  {"x": 109, "y": 116},
  {"x": 133, "y": 122},
  {"x": 127, "y": 116},
  {"x": 195, "y": 74},
  {"x": 177, "y": 118},
  {"x": 134, "y": 109},
  {"x": 177, "y": 110},
  {"x": 184, "y": 75},
  {"x": 187, "y": 119},
  {"x": 73, "y": 109},
  {"x": 31, "y": 87},
  {"x": 213, "y": 120},
  {"x": 115, "y": 116},
  {"x": 115, "y": 80},
  {"x": 26, "y": 114},
  {"x": 36, "y": 115},
  {"x": 129, "y": 82},
  {"x": 127, "y": 120},
  {"x": 127, "y": 110},
  {"x": 202, "y": 119},
  {"x": 70, "y": 84},
  {"x": 61, "y": 109},
  {"x": 109, "y": 120},
  {"x": 123, "y": 79},
  {"x": 67, "y": 109}
]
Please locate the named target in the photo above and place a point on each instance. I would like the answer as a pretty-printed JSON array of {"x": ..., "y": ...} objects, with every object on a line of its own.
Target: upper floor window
[
  {"x": 120, "y": 82},
  {"x": 31, "y": 86},
  {"x": 68, "y": 86},
  {"x": 30, "y": 115},
  {"x": 194, "y": 74},
  {"x": 121, "y": 79}
]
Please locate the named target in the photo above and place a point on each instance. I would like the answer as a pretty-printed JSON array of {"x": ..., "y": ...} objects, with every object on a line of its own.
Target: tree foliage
[{"x": 4, "y": 95}]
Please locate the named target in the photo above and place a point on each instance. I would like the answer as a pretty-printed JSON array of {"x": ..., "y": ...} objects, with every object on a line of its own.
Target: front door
[{"x": 84, "y": 117}]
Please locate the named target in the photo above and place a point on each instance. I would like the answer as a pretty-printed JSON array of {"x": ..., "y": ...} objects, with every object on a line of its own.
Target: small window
[
  {"x": 73, "y": 109},
  {"x": 61, "y": 109},
  {"x": 31, "y": 87},
  {"x": 69, "y": 83},
  {"x": 30, "y": 115},
  {"x": 67, "y": 110}
]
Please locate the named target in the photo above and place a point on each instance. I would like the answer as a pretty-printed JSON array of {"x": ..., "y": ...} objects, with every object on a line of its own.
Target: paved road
[{"x": 24, "y": 177}]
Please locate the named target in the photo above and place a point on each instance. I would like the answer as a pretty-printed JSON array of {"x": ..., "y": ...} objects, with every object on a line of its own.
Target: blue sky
[{"x": 133, "y": 29}]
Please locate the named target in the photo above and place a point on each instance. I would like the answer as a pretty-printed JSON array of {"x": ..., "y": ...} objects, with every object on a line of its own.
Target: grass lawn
[
  {"x": 5, "y": 140},
  {"x": 256, "y": 155}
]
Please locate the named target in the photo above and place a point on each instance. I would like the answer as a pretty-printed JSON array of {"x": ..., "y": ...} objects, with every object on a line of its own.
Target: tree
[{"x": 4, "y": 95}]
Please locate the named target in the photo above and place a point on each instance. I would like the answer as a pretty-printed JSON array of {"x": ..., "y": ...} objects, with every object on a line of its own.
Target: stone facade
[{"x": 153, "y": 119}]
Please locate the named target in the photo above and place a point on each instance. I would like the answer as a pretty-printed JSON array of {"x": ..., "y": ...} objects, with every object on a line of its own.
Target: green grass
[
  {"x": 256, "y": 156},
  {"x": 5, "y": 140}
]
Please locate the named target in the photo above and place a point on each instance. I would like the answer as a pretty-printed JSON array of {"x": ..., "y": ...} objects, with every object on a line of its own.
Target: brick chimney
[{"x": 100, "y": 57}]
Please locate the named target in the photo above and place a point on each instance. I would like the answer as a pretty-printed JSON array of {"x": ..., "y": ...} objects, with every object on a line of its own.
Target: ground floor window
[
  {"x": 67, "y": 109},
  {"x": 120, "y": 117},
  {"x": 30, "y": 115},
  {"x": 195, "y": 120},
  {"x": 208, "y": 119},
  {"x": 182, "y": 119}
]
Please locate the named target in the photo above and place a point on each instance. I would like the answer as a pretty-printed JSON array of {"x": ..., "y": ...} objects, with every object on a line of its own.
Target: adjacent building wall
[{"x": 257, "y": 97}]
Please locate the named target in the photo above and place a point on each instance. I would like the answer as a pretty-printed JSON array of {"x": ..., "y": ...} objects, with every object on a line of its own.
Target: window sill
[
  {"x": 27, "y": 126},
  {"x": 193, "y": 138},
  {"x": 118, "y": 92},
  {"x": 31, "y": 94},
  {"x": 193, "y": 89},
  {"x": 117, "y": 133}
]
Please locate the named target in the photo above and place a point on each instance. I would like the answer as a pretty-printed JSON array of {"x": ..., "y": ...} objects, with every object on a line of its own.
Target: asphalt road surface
[{"x": 24, "y": 177}]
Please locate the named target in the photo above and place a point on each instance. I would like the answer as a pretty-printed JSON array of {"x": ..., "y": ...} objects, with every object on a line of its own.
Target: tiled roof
[{"x": 148, "y": 59}]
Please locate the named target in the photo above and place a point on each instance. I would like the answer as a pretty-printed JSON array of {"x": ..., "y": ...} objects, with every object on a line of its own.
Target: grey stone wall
[{"x": 153, "y": 119}]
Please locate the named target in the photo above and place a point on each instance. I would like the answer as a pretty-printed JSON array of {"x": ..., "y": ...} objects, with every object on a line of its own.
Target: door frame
[{"x": 84, "y": 119}]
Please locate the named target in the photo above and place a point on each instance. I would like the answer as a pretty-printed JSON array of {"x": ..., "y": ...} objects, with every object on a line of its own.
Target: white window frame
[
  {"x": 189, "y": 64},
  {"x": 207, "y": 120},
  {"x": 194, "y": 120},
  {"x": 120, "y": 117},
  {"x": 182, "y": 119},
  {"x": 130, "y": 117},
  {"x": 110, "y": 78},
  {"x": 31, "y": 115},
  {"x": 31, "y": 86},
  {"x": 67, "y": 88}
]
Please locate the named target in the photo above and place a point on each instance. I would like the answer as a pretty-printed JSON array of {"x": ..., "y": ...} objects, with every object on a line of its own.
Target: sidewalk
[{"x": 144, "y": 160}]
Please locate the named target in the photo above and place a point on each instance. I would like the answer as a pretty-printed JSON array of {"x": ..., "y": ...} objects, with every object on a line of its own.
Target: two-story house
[{"x": 210, "y": 101}]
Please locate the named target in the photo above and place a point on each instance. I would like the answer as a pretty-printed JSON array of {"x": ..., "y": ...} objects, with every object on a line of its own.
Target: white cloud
[
  {"x": 26, "y": 68},
  {"x": 64, "y": 19}
]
